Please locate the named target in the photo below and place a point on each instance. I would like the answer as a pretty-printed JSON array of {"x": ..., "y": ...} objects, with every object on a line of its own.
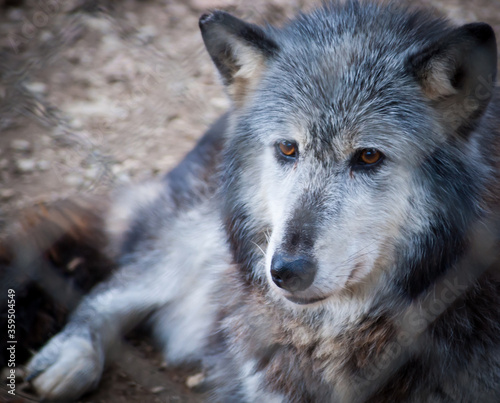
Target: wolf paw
[{"x": 66, "y": 368}]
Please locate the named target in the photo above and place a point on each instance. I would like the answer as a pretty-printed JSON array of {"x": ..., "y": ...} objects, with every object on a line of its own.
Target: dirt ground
[{"x": 97, "y": 94}]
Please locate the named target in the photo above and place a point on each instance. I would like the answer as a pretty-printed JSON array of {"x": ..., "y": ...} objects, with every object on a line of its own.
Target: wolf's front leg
[
  {"x": 68, "y": 366},
  {"x": 72, "y": 363}
]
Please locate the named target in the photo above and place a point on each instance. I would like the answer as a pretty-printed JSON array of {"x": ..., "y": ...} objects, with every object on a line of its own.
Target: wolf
[{"x": 330, "y": 238}]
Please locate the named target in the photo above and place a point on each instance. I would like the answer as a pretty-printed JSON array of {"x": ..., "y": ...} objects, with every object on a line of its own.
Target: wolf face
[{"x": 337, "y": 157}]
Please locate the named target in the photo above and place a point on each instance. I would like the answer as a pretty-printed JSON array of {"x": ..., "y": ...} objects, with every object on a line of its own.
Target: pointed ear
[
  {"x": 239, "y": 50},
  {"x": 458, "y": 74}
]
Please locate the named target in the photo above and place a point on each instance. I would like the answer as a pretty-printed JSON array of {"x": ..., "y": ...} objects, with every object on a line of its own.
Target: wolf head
[{"x": 356, "y": 152}]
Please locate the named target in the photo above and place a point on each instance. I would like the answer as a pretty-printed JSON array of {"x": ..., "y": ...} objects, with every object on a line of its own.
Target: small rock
[
  {"x": 157, "y": 389},
  {"x": 25, "y": 165},
  {"x": 43, "y": 165},
  {"x": 4, "y": 163},
  {"x": 74, "y": 263},
  {"x": 195, "y": 380},
  {"x": 101, "y": 25},
  {"x": 147, "y": 33},
  {"x": 20, "y": 145},
  {"x": 92, "y": 172},
  {"x": 110, "y": 43},
  {"x": 220, "y": 102},
  {"x": 116, "y": 169},
  {"x": 123, "y": 178},
  {"x": 76, "y": 124},
  {"x": 7, "y": 194},
  {"x": 46, "y": 36},
  {"x": 36, "y": 87},
  {"x": 74, "y": 180}
]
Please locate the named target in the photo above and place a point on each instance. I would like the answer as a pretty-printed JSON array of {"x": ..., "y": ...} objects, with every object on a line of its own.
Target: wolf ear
[
  {"x": 238, "y": 49},
  {"x": 458, "y": 74}
]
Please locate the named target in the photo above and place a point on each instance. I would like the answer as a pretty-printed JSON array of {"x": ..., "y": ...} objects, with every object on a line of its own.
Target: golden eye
[
  {"x": 288, "y": 148},
  {"x": 370, "y": 156}
]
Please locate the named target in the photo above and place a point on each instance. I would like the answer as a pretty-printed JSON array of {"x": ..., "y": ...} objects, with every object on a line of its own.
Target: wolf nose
[{"x": 292, "y": 273}]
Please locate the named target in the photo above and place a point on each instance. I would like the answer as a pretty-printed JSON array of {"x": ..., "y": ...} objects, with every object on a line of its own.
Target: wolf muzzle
[{"x": 293, "y": 273}]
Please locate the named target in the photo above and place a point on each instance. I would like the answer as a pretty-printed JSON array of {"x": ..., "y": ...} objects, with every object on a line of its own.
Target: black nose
[{"x": 292, "y": 273}]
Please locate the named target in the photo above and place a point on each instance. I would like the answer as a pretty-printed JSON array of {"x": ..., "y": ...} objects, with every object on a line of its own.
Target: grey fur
[{"x": 388, "y": 240}]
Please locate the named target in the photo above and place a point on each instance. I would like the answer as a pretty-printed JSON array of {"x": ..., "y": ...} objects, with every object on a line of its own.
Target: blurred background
[{"x": 96, "y": 94}]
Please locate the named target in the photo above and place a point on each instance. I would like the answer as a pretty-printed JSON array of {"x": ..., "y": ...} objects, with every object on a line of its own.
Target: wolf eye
[
  {"x": 368, "y": 157},
  {"x": 287, "y": 148}
]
